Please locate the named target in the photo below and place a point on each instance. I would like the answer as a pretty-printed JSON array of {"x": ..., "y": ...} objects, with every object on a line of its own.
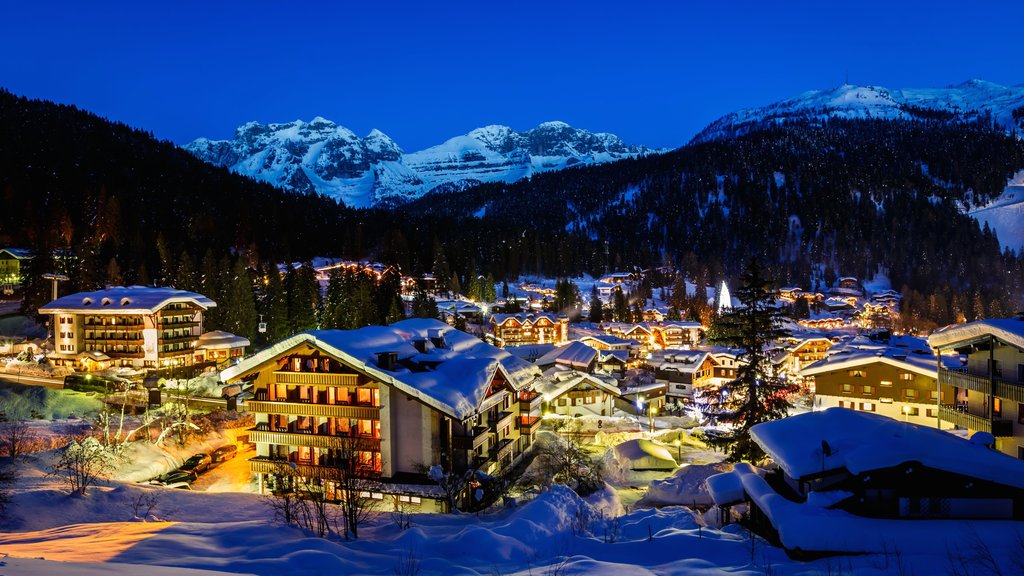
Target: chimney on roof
[
  {"x": 387, "y": 360},
  {"x": 420, "y": 344},
  {"x": 436, "y": 337}
]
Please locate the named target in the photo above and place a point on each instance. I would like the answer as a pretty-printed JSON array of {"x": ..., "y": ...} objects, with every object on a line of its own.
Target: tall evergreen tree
[
  {"x": 596, "y": 307},
  {"x": 756, "y": 395},
  {"x": 275, "y": 306},
  {"x": 240, "y": 315},
  {"x": 304, "y": 299},
  {"x": 185, "y": 273},
  {"x": 423, "y": 305},
  {"x": 620, "y": 308}
]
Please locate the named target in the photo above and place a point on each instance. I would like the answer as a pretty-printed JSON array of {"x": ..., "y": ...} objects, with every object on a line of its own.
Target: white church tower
[{"x": 724, "y": 298}]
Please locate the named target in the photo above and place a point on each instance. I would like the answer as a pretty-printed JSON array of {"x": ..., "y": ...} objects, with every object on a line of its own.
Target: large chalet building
[
  {"x": 415, "y": 394},
  {"x": 988, "y": 392},
  {"x": 134, "y": 326},
  {"x": 897, "y": 379},
  {"x": 529, "y": 328}
]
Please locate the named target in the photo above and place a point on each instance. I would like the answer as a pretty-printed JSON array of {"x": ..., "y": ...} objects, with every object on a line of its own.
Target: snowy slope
[
  {"x": 1005, "y": 215},
  {"x": 320, "y": 156},
  {"x": 961, "y": 102}
]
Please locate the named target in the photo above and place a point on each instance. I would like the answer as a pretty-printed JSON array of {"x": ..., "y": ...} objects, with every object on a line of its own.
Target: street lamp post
[
  {"x": 906, "y": 413},
  {"x": 651, "y": 414}
]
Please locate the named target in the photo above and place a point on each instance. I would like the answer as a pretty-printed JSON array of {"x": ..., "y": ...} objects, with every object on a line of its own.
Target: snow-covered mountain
[
  {"x": 1005, "y": 214},
  {"x": 324, "y": 157},
  {"x": 964, "y": 101}
]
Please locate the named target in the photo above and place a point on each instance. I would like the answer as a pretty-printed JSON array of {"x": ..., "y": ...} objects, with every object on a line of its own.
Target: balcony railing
[
  {"x": 310, "y": 409},
  {"x": 528, "y": 424},
  {"x": 314, "y": 440},
  {"x": 504, "y": 448},
  {"x": 476, "y": 437},
  {"x": 962, "y": 379},
  {"x": 999, "y": 427},
  {"x": 504, "y": 419},
  {"x": 118, "y": 326},
  {"x": 316, "y": 378},
  {"x": 266, "y": 465},
  {"x": 530, "y": 402}
]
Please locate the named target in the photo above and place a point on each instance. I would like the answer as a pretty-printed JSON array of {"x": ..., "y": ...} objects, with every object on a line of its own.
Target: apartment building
[
  {"x": 415, "y": 394},
  {"x": 134, "y": 326},
  {"x": 988, "y": 391}
]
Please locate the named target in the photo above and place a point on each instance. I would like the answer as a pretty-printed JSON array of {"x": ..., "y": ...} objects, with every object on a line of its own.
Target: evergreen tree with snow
[
  {"x": 756, "y": 395},
  {"x": 596, "y": 307},
  {"x": 423, "y": 305},
  {"x": 240, "y": 317},
  {"x": 303, "y": 299},
  {"x": 619, "y": 305},
  {"x": 275, "y": 306}
]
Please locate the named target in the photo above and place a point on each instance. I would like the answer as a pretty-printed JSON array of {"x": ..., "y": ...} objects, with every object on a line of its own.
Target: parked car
[
  {"x": 173, "y": 476},
  {"x": 198, "y": 463},
  {"x": 223, "y": 453}
]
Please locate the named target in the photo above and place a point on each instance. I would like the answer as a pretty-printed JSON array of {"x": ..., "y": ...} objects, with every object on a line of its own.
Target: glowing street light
[
  {"x": 906, "y": 413},
  {"x": 651, "y": 414}
]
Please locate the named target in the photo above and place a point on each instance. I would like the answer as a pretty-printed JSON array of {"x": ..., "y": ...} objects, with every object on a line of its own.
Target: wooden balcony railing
[
  {"x": 311, "y": 409},
  {"x": 476, "y": 437},
  {"x": 962, "y": 379},
  {"x": 319, "y": 379},
  {"x": 999, "y": 427},
  {"x": 314, "y": 440}
]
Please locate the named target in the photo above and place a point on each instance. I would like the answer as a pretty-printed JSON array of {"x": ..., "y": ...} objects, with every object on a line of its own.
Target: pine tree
[
  {"x": 620, "y": 306},
  {"x": 114, "y": 276},
  {"x": 454, "y": 287},
  {"x": 488, "y": 294},
  {"x": 424, "y": 306},
  {"x": 596, "y": 307},
  {"x": 185, "y": 274},
  {"x": 275, "y": 306},
  {"x": 304, "y": 299},
  {"x": 240, "y": 316},
  {"x": 396, "y": 312},
  {"x": 756, "y": 395}
]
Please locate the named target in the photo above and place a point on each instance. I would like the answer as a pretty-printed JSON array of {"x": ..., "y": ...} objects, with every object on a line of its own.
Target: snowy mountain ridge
[
  {"x": 321, "y": 156},
  {"x": 962, "y": 102}
]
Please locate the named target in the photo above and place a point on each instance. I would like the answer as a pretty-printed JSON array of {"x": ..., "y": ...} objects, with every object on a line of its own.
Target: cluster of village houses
[{"x": 420, "y": 393}]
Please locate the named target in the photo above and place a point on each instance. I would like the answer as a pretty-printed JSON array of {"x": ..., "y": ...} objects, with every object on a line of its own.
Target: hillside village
[{"x": 611, "y": 386}]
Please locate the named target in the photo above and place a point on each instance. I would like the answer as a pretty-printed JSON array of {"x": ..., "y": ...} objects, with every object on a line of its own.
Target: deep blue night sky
[{"x": 653, "y": 73}]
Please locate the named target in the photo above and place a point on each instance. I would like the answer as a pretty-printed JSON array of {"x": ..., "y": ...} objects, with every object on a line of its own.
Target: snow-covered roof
[
  {"x": 905, "y": 352},
  {"x": 575, "y": 354},
  {"x": 19, "y": 253},
  {"x": 609, "y": 340},
  {"x": 863, "y": 441},
  {"x": 126, "y": 300},
  {"x": 641, "y": 449},
  {"x": 559, "y": 380},
  {"x": 220, "y": 340},
  {"x": 726, "y": 488},
  {"x": 621, "y": 355},
  {"x": 687, "y": 324},
  {"x": 678, "y": 360},
  {"x": 524, "y": 317},
  {"x": 452, "y": 379},
  {"x": 1008, "y": 330}
]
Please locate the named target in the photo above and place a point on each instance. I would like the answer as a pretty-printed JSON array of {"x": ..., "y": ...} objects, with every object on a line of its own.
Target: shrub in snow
[{"x": 82, "y": 463}]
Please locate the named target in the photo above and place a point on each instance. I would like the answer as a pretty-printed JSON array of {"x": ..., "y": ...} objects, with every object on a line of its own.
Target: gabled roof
[
  {"x": 19, "y": 253},
  {"x": 452, "y": 379},
  {"x": 684, "y": 361},
  {"x": 524, "y": 317},
  {"x": 559, "y": 380},
  {"x": 863, "y": 441},
  {"x": 575, "y": 354},
  {"x": 1008, "y": 330},
  {"x": 906, "y": 353},
  {"x": 220, "y": 340},
  {"x": 620, "y": 355},
  {"x": 126, "y": 300},
  {"x": 609, "y": 339}
]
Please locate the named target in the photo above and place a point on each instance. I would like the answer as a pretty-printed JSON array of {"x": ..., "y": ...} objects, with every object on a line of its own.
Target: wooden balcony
[
  {"x": 961, "y": 379},
  {"x": 531, "y": 403},
  {"x": 998, "y": 427},
  {"x": 320, "y": 379},
  {"x": 314, "y": 440},
  {"x": 107, "y": 326},
  {"x": 477, "y": 437},
  {"x": 311, "y": 409},
  {"x": 528, "y": 424},
  {"x": 263, "y": 465},
  {"x": 164, "y": 325},
  {"x": 504, "y": 419},
  {"x": 177, "y": 339},
  {"x": 503, "y": 449},
  {"x": 113, "y": 341}
]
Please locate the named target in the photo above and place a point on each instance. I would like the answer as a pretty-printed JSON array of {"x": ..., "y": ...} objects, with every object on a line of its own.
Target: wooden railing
[
  {"x": 314, "y": 440},
  {"x": 476, "y": 438},
  {"x": 999, "y": 427},
  {"x": 317, "y": 378},
  {"x": 311, "y": 409},
  {"x": 504, "y": 419},
  {"x": 962, "y": 379}
]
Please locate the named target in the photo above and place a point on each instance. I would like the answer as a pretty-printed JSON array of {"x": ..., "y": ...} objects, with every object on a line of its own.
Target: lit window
[{"x": 885, "y": 383}]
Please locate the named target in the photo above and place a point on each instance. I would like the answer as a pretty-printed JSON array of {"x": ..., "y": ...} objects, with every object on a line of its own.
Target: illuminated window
[
  {"x": 857, "y": 374},
  {"x": 868, "y": 389},
  {"x": 847, "y": 388},
  {"x": 867, "y": 406},
  {"x": 906, "y": 376},
  {"x": 885, "y": 383}
]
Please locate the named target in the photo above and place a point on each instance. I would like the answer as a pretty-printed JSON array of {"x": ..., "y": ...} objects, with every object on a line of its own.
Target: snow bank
[{"x": 686, "y": 486}]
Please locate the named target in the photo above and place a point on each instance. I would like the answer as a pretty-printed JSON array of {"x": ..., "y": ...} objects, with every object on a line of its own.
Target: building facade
[
  {"x": 897, "y": 379},
  {"x": 413, "y": 395},
  {"x": 988, "y": 391},
  {"x": 135, "y": 326},
  {"x": 529, "y": 328}
]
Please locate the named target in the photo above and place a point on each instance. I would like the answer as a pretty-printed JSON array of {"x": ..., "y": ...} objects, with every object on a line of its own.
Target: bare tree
[
  {"x": 453, "y": 485},
  {"x": 566, "y": 461},
  {"x": 14, "y": 438},
  {"x": 143, "y": 503},
  {"x": 82, "y": 463},
  {"x": 337, "y": 494},
  {"x": 8, "y": 476}
]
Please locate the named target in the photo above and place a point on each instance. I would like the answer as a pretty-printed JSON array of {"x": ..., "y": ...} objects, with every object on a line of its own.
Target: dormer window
[
  {"x": 125, "y": 301},
  {"x": 105, "y": 302}
]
